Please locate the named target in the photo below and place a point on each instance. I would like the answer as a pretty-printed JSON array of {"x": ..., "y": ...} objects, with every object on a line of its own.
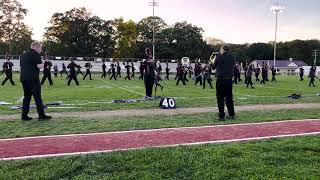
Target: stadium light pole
[
  {"x": 153, "y": 4},
  {"x": 276, "y": 9}
]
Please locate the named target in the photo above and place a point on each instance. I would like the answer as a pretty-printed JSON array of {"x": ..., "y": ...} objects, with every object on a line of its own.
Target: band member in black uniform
[
  {"x": 88, "y": 66},
  {"x": 190, "y": 70},
  {"x": 55, "y": 70},
  {"x": 273, "y": 72},
  {"x": 104, "y": 71},
  {"x": 73, "y": 73},
  {"x": 198, "y": 73},
  {"x": 141, "y": 68},
  {"x": 30, "y": 64},
  {"x": 64, "y": 70},
  {"x": 113, "y": 71},
  {"x": 167, "y": 71},
  {"x": 185, "y": 73},
  {"x": 158, "y": 77},
  {"x": 128, "y": 67},
  {"x": 149, "y": 74},
  {"x": 207, "y": 76},
  {"x": 133, "y": 69},
  {"x": 249, "y": 74},
  {"x": 7, "y": 68},
  {"x": 223, "y": 65},
  {"x": 246, "y": 66},
  {"x": 301, "y": 73},
  {"x": 118, "y": 70},
  {"x": 47, "y": 72},
  {"x": 235, "y": 74},
  {"x": 264, "y": 73},
  {"x": 180, "y": 74},
  {"x": 239, "y": 73},
  {"x": 79, "y": 71},
  {"x": 257, "y": 73},
  {"x": 312, "y": 76}
]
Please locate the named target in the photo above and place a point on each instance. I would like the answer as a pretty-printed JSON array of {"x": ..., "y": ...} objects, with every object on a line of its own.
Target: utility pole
[{"x": 153, "y": 4}]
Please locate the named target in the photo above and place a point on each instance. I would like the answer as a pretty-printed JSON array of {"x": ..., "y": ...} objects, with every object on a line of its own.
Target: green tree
[{"x": 13, "y": 31}]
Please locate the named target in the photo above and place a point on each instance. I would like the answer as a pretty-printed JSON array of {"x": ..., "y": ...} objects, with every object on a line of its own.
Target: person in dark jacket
[
  {"x": 273, "y": 73},
  {"x": 88, "y": 67},
  {"x": 72, "y": 72},
  {"x": 7, "y": 69},
  {"x": 167, "y": 72},
  {"x": 223, "y": 65},
  {"x": 301, "y": 73},
  {"x": 47, "y": 72},
  {"x": 312, "y": 76},
  {"x": 198, "y": 73},
  {"x": 104, "y": 71},
  {"x": 249, "y": 74},
  {"x": 149, "y": 74},
  {"x": 30, "y": 64},
  {"x": 180, "y": 74}
]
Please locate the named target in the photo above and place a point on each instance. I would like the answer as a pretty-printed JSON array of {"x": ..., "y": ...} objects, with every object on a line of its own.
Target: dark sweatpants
[
  {"x": 32, "y": 88},
  {"x": 224, "y": 91}
]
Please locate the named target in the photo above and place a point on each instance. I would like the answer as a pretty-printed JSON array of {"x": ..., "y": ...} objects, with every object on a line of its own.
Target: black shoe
[
  {"x": 26, "y": 118},
  {"x": 231, "y": 117},
  {"x": 44, "y": 118},
  {"x": 220, "y": 119}
]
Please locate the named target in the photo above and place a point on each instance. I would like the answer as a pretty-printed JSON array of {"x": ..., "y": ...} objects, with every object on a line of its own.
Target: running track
[{"x": 62, "y": 145}]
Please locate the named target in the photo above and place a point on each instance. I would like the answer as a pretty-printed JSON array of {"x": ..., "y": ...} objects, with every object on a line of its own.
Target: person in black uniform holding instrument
[
  {"x": 73, "y": 73},
  {"x": 149, "y": 74},
  {"x": 88, "y": 66},
  {"x": 104, "y": 71},
  {"x": 223, "y": 65},
  {"x": 7, "y": 69},
  {"x": 47, "y": 71},
  {"x": 30, "y": 64}
]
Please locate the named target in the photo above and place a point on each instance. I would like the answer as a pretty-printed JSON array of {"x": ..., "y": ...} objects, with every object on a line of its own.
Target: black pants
[
  {"x": 185, "y": 77},
  {"x": 167, "y": 76},
  {"x": 32, "y": 88},
  {"x": 128, "y": 76},
  {"x": 235, "y": 79},
  {"x": 257, "y": 78},
  {"x": 301, "y": 77},
  {"x": 181, "y": 78},
  {"x": 8, "y": 77},
  {"x": 87, "y": 73},
  {"x": 224, "y": 91},
  {"x": 104, "y": 74},
  {"x": 133, "y": 73},
  {"x": 73, "y": 77},
  {"x": 209, "y": 82},
  {"x": 249, "y": 81},
  {"x": 118, "y": 74},
  {"x": 312, "y": 82},
  {"x": 198, "y": 79},
  {"x": 55, "y": 74},
  {"x": 114, "y": 76},
  {"x": 141, "y": 75},
  {"x": 148, "y": 83},
  {"x": 239, "y": 78},
  {"x": 263, "y": 80},
  {"x": 273, "y": 78},
  {"x": 46, "y": 75}
]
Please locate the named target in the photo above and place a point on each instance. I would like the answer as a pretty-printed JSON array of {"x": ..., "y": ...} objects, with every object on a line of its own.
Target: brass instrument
[
  {"x": 213, "y": 57},
  {"x": 185, "y": 61}
]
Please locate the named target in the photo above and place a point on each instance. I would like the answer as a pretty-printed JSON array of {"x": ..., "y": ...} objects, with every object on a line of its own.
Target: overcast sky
[{"x": 234, "y": 21}]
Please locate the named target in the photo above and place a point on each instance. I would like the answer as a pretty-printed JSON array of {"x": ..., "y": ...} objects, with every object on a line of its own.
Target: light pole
[
  {"x": 153, "y": 4},
  {"x": 276, "y": 9}
]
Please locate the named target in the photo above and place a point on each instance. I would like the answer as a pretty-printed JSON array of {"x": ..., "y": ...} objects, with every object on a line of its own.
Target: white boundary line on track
[
  {"x": 174, "y": 145},
  {"x": 162, "y": 129}
]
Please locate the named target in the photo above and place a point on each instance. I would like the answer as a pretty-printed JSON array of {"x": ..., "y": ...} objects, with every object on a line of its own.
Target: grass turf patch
[
  {"x": 287, "y": 158},
  {"x": 18, "y": 128},
  {"x": 99, "y": 93}
]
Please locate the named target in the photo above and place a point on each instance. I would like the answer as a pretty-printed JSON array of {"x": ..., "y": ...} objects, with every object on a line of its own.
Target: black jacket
[{"x": 224, "y": 66}]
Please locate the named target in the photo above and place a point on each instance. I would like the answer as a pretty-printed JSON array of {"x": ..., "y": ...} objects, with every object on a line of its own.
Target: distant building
[{"x": 283, "y": 66}]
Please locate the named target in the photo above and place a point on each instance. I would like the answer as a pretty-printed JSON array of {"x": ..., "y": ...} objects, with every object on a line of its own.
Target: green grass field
[
  {"x": 287, "y": 158},
  {"x": 99, "y": 93}
]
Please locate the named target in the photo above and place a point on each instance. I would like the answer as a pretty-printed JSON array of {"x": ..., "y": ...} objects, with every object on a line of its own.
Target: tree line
[{"x": 78, "y": 32}]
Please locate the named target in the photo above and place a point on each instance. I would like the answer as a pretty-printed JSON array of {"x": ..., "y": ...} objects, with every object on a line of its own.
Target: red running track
[{"x": 49, "y": 146}]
